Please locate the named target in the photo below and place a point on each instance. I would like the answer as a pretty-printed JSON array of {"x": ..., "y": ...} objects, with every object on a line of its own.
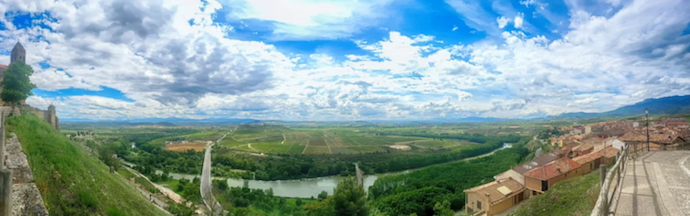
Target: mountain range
[{"x": 657, "y": 106}]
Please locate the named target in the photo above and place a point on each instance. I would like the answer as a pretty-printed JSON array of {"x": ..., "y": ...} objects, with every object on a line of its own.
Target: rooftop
[
  {"x": 536, "y": 162},
  {"x": 553, "y": 169},
  {"x": 583, "y": 159},
  {"x": 498, "y": 190}
]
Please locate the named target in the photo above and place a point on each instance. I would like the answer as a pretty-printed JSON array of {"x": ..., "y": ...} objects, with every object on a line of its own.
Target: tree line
[{"x": 419, "y": 192}]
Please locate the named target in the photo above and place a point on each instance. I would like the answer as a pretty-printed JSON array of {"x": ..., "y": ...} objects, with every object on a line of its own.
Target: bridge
[{"x": 653, "y": 183}]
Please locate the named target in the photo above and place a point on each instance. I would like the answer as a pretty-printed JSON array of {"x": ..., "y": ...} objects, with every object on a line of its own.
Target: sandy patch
[
  {"x": 400, "y": 147},
  {"x": 184, "y": 146}
]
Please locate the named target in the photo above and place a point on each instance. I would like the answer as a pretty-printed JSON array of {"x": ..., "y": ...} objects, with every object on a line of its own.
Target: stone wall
[
  {"x": 26, "y": 198},
  {"x": 49, "y": 115}
]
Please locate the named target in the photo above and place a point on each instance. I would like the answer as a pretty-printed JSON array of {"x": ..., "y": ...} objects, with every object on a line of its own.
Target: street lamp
[{"x": 646, "y": 117}]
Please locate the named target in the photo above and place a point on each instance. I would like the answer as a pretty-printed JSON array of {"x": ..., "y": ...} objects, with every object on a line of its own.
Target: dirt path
[
  {"x": 305, "y": 148},
  {"x": 249, "y": 145},
  {"x": 413, "y": 141},
  {"x": 283, "y": 142}
]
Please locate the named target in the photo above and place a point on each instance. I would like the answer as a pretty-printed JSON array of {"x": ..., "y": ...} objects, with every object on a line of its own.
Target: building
[
  {"x": 18, "y": 54},
  {"x": 582, "y": 149},
  {"x": 494, "y": 197},
  {"x": 589, "y": 162},
  {"x": 615, "y": 143},
  {"x": 657, "y": 141},
  {"x": 540, "y": 179}
]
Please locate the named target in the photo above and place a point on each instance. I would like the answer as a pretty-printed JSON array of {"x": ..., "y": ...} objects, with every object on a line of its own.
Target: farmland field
[{"x": 312, "y": 141}]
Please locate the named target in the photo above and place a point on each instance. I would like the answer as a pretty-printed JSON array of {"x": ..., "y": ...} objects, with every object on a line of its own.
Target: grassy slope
[
  {"x": 575, "y": 196},
  {"x": 72, "y": 182}
]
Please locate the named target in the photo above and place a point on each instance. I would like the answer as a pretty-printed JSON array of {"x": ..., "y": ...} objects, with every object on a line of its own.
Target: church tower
[{"x": 18, "y": 53}]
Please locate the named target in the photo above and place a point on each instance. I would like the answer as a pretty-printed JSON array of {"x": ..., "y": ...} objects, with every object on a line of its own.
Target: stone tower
[
  {"x": 51, "y": 117},
  {"x": 18, "y": 53}
]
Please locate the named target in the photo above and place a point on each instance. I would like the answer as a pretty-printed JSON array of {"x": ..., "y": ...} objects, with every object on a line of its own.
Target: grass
[
  {"x": 575, "y": 196},
  {"x": 72, "y": 182},
  {"x": 318, "y": 141}
]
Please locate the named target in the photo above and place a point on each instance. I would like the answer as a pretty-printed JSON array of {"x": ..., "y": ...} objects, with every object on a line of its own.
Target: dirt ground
[{"x": 181, "y": 147}]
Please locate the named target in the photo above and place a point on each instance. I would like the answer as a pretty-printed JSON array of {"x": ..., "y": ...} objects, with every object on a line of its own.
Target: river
[{"x": 306, "y": 188}]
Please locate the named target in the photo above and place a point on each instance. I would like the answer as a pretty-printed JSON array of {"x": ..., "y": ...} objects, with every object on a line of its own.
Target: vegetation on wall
[
  {"x": 71, "y": 181},
  {"x": 420, "y": 191}
]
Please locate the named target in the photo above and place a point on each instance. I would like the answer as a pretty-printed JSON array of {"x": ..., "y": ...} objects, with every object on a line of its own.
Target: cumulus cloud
[
  {"x": 180, "y": 63},
  {"x": 312, "y": 19},
  {"x": 518, "y": 21},
  {"x": 502, "y": 22}
]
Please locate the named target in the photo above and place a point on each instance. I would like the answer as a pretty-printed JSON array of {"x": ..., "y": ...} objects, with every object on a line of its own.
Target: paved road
[
  {"x": 657, "y": 183},
  {"x": 205, "y": 188}
]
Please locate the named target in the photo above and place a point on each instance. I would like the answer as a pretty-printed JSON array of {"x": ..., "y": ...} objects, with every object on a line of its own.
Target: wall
[
  {"x": 532, "y": 184},
  {"x": 503, "y": 205},
  {"x": 512, "y": 174},
  {"x": 472, "y": 199},
  {"x": 49, "y": 115}
]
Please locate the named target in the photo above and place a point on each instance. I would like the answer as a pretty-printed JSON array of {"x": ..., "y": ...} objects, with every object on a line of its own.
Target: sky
[{"x": 347, "y": 59}]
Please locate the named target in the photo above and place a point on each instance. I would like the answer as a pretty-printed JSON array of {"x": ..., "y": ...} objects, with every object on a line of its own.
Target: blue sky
[{"x": 348, "y": 59}]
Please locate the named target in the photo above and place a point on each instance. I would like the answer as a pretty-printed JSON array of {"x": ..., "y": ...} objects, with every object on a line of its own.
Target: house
[
  {"x": 582, "y": 149},
  {"x": 674, "y": 123},
  {"x": 534, "y": 163},
  {"x": 657, "y": 141},
  {"x": 609, "y": 154},
  {"x": 494, "y": 197},
  {"x": 590, "y": 161},
  {"x": 542, "y": 178},
  {"x": 615, "y": 143}
]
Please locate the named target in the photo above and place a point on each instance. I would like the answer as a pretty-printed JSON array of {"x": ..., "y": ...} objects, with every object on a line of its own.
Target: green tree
[
  {"x": 443, "y": 209},
  {"x": 323, "y": 195},
  {"x": 16, "y": 85},
  {"x": 298, "y": 202},
  {"x": 320, "y": 208},
  {"x": 349, "y": 198}
]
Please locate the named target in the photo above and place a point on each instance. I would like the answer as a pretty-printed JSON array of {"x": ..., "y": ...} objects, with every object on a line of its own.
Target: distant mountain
[
  {"x": 657, "y": 106},
  {"x": 166, "y": 121},
  {"x": 472, "y": 119}
]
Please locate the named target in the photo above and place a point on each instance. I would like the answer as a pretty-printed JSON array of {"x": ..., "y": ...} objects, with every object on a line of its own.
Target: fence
[{"x": 610, "y": 182}]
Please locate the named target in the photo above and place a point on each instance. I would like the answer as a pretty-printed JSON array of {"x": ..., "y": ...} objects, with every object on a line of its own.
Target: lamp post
[{"x": 646, "y": 117}]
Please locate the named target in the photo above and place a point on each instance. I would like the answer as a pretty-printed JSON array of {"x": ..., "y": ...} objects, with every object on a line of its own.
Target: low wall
[{"x": 26, "y": 199}]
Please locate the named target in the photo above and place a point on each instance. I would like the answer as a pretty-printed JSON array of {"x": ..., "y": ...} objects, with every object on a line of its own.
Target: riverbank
[{"x": 306, "y": 188}]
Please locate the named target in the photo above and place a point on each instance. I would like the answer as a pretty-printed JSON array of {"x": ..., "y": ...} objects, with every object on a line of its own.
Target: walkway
[
  {"x": 656, "y": 183},
  {"x": 205, "y": 187}
]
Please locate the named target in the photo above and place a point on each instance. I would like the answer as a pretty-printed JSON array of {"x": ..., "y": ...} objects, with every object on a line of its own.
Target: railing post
[
  {"x": 6, "y": 193},
  {"x": 618, "y": 169},
  {"x": 2, "y": 140},
  {"x": 604, "y": 206}
]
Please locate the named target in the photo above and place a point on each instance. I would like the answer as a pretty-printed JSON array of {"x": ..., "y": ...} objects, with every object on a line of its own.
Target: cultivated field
[
  {"x": 311, "y": 141},
  {"x": 184, "y": 146}
]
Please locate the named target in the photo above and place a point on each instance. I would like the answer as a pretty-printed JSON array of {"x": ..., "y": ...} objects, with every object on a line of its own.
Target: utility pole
[{"x": 646, "y": 117}]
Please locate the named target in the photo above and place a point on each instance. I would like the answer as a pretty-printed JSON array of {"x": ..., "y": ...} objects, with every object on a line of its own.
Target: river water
[{"x": 306, "y": 188}]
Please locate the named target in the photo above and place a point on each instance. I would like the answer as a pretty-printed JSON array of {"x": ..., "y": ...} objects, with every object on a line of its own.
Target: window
[
  {"x": 479, "y": 205},
  {"x": 544, "y": 185}
]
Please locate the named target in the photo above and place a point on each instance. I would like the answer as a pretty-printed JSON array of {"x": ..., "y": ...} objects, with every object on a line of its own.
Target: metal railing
[{"x": 610, "y": 182}]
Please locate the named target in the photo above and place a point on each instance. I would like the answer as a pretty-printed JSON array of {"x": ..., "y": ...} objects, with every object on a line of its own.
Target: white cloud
[
  {"x": 518, "y": 21},
  {"x": 169, "y": 68},
  {"x": 455, "y": 28},
  {"x": 312, "y": 19},
  {"x": 502, "y": 22}
]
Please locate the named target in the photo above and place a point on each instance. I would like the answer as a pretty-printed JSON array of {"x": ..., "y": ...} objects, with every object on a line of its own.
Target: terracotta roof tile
[
  {"x": 583, "y": 159},
  {"x": 4, "y": 67},
  {"x": 492, "y": 189},
  {"x": 553, "y": 169}
]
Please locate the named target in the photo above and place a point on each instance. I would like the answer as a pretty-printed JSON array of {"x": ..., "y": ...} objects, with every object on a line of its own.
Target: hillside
[
  {"x": 71, "y": 181},
  {"x": 575, "y": 196},
  {"x": 657, "y": 106}
]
